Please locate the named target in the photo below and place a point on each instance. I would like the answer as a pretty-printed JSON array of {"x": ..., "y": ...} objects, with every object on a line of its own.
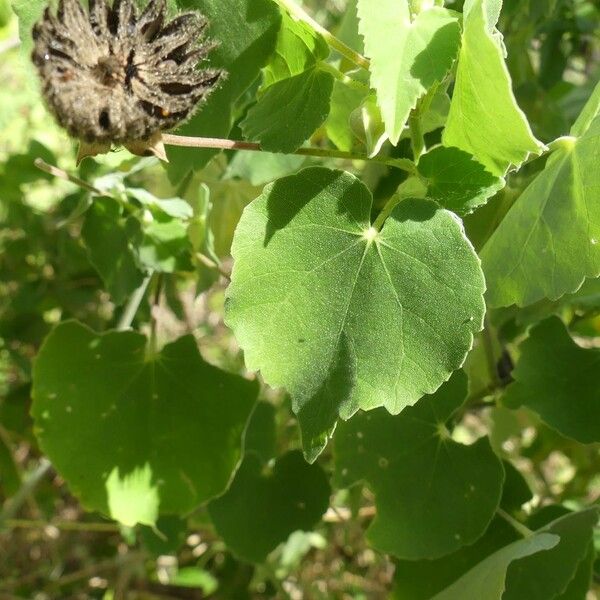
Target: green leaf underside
[
  {"x": 456, "y": 180},
  {"x": 174, "y": 207},
  {"x": 146, "y": 435},
  {"x": 487, "y": 579},
  {"x": 559, "y": 380},
  {"x": 549, "y": 241},
  {"x": 407, "y": 58},
  {"x": 298, "y": 49},
  {"x": 246, "y": 32},
  {"x": 259, "y": 511},
  {"x": 484, "y": 118},
  {"x": 290, "y": 111},
  {"x": 109, "y": 249},
  {"x": 547, "y": 574},
  {"x": 343, "y": 316},
  {"x": 411, "y": 463},
  {"x": 421, "y": 580}
]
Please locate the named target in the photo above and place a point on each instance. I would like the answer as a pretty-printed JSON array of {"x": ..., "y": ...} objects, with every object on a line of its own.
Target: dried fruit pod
[{"x": 113, "y": 76}]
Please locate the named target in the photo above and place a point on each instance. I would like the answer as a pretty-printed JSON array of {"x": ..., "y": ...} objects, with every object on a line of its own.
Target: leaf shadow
[
  {"x": 320, "y": 408},
  {"x": 285, "y": 204},
  {"x": 444, "y": 43}
]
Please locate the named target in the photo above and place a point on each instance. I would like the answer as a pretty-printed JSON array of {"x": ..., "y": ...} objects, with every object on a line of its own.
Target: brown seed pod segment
[{"x": 115, "y": 76}]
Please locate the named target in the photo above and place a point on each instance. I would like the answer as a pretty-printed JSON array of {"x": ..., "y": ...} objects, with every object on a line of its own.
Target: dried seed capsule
[{"x": 113, "y": 76}]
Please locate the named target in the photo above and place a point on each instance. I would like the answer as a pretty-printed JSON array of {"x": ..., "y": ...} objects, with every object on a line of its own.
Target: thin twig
[
  {"x": 52, "y": 170},
  {"x": 106, "y": 565},
  {"x": 133, "y": 305},
  {"x": 27, "y": 488},
  {"x": 211, "y": 264},
  {"x": 155, "y": 305},
  {"x": 517, "y": 525},
  {"x": 9, "y": 44},
  {"x": 62, "y": 525},
  {"x": 223, "y": 144}
]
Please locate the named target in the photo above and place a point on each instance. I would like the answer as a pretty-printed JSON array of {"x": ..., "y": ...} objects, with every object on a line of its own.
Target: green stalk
[
  {"x": 417, "y": 139},
  {"x": 170, "y": 139},
  {"x": 347, "y": 52},
  {"x": 133, "y": 305},
  {"x": 517, "y": 525}
]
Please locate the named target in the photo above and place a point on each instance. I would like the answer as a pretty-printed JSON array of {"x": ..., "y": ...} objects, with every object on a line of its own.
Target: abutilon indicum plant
[{"x": 339, "y": 321}]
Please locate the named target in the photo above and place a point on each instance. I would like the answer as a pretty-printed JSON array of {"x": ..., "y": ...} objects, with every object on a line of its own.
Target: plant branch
[
  {"x": 417, "y": 139},
  {"x": 133, "y": 305},
  {"x": 27, "y": 488},
  {"x": 52, "y": 170},
  {"x": 345, "y": 79},
  {"x": 153, "y": 320},
  {"x": 211, "y": 264},
  {"x": 517, "y": 525},
  {"x": 345, "y": 50},
  {"x": 223, "y": 144},
  {"x": 9, "y": 44},
  {"x": 62, "y": 525}
]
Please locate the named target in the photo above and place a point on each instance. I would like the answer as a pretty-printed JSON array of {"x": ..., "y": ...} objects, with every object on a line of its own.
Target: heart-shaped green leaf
[
  {"x": 345, "y": 316},
  {"x": 488, "y": 578},
  {"x": 433, "y": 495},
  {"x": 136, "y": 435}
]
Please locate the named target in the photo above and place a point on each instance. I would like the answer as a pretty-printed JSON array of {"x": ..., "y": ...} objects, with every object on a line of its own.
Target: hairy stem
[
  {"x": 345, "y": 79},
  {"x": 211, "y": 264},
  {"x": 223, "y": 144},
  {"x": 347, "y": 52},
  {"x": 52, "y": 170}
]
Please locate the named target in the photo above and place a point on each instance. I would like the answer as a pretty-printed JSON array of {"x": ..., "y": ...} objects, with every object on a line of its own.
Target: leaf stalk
[
  {"x": 335, "y": 43},
  {"x": 224, "y": 144}
]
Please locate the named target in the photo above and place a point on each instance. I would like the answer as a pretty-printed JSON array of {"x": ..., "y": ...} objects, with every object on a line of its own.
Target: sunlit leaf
[
  {"x": 549, "y": 242},
  {"x": 485, "y": 119},
  {"x": 342, "y": 315},
  {"x": 148, "y": 433},
  {"x": 408, "y": 55}
]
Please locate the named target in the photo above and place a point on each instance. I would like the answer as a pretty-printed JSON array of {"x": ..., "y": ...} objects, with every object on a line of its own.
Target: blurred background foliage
[{"x": 52, "y": 268}]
